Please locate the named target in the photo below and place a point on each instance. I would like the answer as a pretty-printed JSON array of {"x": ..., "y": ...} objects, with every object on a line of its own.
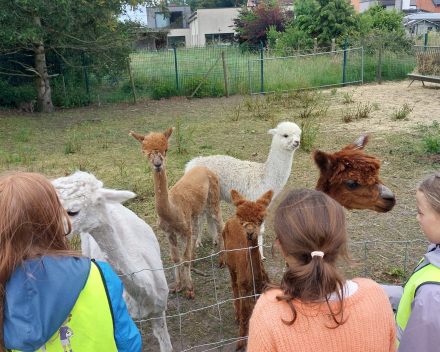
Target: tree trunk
[{"x": 44, "y": 98}]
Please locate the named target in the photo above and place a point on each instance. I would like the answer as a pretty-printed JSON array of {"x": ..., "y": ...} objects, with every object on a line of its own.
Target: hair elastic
[{"x": 318, "y": 253}]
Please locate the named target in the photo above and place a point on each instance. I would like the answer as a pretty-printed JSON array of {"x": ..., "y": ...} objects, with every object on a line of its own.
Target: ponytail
[{"x": 310, "y": 228}]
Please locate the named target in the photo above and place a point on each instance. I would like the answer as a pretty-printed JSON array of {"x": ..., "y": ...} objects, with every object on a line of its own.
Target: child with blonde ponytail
[{"x": 315, "y": 308}]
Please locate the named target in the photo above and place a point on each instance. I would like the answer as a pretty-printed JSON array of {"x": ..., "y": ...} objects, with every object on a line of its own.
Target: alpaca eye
[
  {"x": 352, "y": 184},
  {"x": 72, "y": 213},
  {"x": 286, "y": 135}
]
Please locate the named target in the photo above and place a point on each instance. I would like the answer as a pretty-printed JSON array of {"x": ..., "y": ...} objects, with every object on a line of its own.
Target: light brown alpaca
[
  {"x": 351, "y": 177},
  {"x": 178, "y": 209},
  {"x": 245, "y": 266}
]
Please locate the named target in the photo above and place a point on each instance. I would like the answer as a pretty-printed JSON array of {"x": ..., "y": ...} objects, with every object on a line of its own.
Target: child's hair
[
  {"x": 33, "y": 223},
  {"x": 430, "y": 187},
  {"x": 308, "y": 221}
]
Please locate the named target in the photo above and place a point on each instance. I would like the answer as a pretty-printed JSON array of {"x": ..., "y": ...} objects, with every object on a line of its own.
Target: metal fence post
[
  {"x": 175, "y": 66},
  {"x": 345, "y": 62},
  {"x": 262, "y": 72},
  {"x": 426, "y": 41},
  {"x": 380, "y": 62},
  {"x": 85, "y": 72}
]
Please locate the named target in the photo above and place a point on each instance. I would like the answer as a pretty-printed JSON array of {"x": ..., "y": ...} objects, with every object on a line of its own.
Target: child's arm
[
  {"x": 58, "y": 334},
  {"x": 422, "y": 330}
]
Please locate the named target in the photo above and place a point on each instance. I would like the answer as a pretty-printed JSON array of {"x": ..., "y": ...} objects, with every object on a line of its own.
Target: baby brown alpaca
[
  {"x": 245, "y": 266},
  {"x": 178, "y": 209}
]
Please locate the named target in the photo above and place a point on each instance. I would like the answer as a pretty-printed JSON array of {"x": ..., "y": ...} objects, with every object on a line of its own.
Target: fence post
[
  {"x": 380, "y": 62},
  {"x": 131, "y": 80},
  {"x": 175, "y": 66},
  {"x": 345, "y": 62},
  {"x": 298, "y": 46},
  {"x": 225, "y": 73},
  {"x": 315, "y": 47},
  {"x": 85, "y": 72},
  {"x": 333, "y": 50},
  {"x": 262, "y": 70},
  {"x": 426, "y": 41}
]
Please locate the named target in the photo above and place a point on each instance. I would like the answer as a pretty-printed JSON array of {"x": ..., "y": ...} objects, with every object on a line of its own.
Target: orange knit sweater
[{"x": 369, "y": 326}]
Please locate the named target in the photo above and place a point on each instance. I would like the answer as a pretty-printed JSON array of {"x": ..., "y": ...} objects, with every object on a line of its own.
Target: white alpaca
[
  {"x": 112, "y": 233},
  {"x": 249, "y": 178}
]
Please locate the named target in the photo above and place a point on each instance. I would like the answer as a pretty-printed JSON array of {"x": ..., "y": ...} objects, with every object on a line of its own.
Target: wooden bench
[{"x": 423, "y": 79}]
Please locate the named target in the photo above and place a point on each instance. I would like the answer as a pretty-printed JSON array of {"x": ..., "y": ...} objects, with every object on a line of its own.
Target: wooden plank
[{"x": 424, "y": 78}]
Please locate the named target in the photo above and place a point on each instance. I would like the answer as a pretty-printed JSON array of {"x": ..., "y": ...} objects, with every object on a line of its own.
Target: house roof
[{"x": 424, "y": 16}]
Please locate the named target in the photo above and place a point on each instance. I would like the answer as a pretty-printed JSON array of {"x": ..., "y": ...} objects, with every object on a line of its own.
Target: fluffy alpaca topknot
[
  {"x": 155, "y": 141},
  {"x": 251, "y": 212}
]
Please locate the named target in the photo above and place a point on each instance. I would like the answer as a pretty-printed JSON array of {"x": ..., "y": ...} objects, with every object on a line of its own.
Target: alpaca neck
[
  {"x": 111, "y": 246},
  {"x": 163, "y": 205},
  {"x": 255, "y": 252},
  {"x": 277, "y": 167},
  {"x": 115, "y": 253}
]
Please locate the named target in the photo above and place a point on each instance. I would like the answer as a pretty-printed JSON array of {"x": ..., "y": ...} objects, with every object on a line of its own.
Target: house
[
  {"x": 429, "y": 5},
  {"x": 183, "y": 28},
  {"x": 363, "y": 5},
  {"x": 421, "y": 23},
  {"x": 208, "y": 26}
]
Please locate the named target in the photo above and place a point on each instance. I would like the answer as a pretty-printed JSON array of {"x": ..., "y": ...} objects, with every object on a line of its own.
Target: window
[
  {"x": 429, "y": 29},
  {"x": 219, "y": 38},
  {"x": 161, "y": 21},
  {"x": 176, "y": 41}
]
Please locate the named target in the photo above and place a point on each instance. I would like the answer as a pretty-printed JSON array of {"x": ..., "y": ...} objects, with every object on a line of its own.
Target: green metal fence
[{"x": 83, "y": 79}]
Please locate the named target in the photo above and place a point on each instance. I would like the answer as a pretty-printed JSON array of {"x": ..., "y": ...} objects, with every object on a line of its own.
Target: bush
[
  {"x": 163, "y": 89},
  {"x": 13, "y": 96},
  {"x": 192, "y": 83}
]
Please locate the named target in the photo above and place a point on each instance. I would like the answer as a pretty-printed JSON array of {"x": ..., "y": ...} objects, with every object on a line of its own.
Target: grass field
[{"x": 95, "y": 139}]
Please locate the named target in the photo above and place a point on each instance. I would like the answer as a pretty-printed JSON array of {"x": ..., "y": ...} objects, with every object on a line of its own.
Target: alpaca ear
[
  {"x": 322, "y": 160},
  {"x": 237, "y": 198},
  {"x": 273, "y": 131},
  {"x": 137, "y": 136},
  {"x": 360, "y": 142},
  {"x": 168, "y": 132},
  {"x": 265, "y": 199},
  {"x": 108, "y": 195}
]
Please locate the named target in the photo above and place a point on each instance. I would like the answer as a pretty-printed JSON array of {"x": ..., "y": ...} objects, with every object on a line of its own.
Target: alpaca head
[
  {"x": 155, "y": 147},
  {"x": 84, "y": 199},
  {"x": 286, "y": 136},
  {"x": 251, "y": 214},
  {"x": 351, "y": 177}
]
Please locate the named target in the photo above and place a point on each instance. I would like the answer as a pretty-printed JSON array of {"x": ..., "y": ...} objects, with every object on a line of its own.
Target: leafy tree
[
  {"x": 384, "y": 20},
  {"x": 324, "y": 19},
  {"x": 253, "y": 24},
  {"x": 40, "y": 27}
]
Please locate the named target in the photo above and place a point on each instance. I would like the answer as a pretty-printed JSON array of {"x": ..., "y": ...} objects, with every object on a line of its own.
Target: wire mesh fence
[
  {"x": 315, "y": 70},
  {"x": 207, "y": 323},
  {"x": 82, "y": 79}
]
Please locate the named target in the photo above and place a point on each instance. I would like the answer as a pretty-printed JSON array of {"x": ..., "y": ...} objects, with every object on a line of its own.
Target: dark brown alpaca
[
  {"x": 351, "y": 177},
  {"x": 245, "y": 266}
]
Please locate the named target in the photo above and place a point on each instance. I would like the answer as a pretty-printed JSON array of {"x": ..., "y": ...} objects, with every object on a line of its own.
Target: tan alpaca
[
  {"x": 27, "y": 106},
  {"x": 196, "y": 193},
  {"x": 246, "y": 268}
]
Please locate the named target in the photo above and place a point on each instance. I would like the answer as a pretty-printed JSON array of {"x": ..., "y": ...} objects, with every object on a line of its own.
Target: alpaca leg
[
  {"x": 200, "y": 228},
  {"x": 212, "y": 228},
  {"x": 247, "y": 305},
  {"x": 194, "y": 237},
  {"x": 175, "y": 257},
  {"x": 186, "y": 258},
  {"x": 260, "y": 241},
  {"x": 160, "y": 330},
  {"x": 236, "y": 296}
]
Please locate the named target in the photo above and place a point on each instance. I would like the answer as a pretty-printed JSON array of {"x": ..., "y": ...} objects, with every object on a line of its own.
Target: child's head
[
  {"x": 428, "y": 204},
  {"x": 33, "y": 221},
  {"x": 307, "y": 221}
]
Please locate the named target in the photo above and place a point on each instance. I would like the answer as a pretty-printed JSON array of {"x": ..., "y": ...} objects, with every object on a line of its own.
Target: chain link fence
[{"x": 207, "y": 322}]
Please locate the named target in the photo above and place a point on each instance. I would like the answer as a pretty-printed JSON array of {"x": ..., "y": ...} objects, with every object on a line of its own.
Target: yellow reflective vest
[
  {"x": 90, "y": 325},
  {"x": 428, "y": 274}
]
